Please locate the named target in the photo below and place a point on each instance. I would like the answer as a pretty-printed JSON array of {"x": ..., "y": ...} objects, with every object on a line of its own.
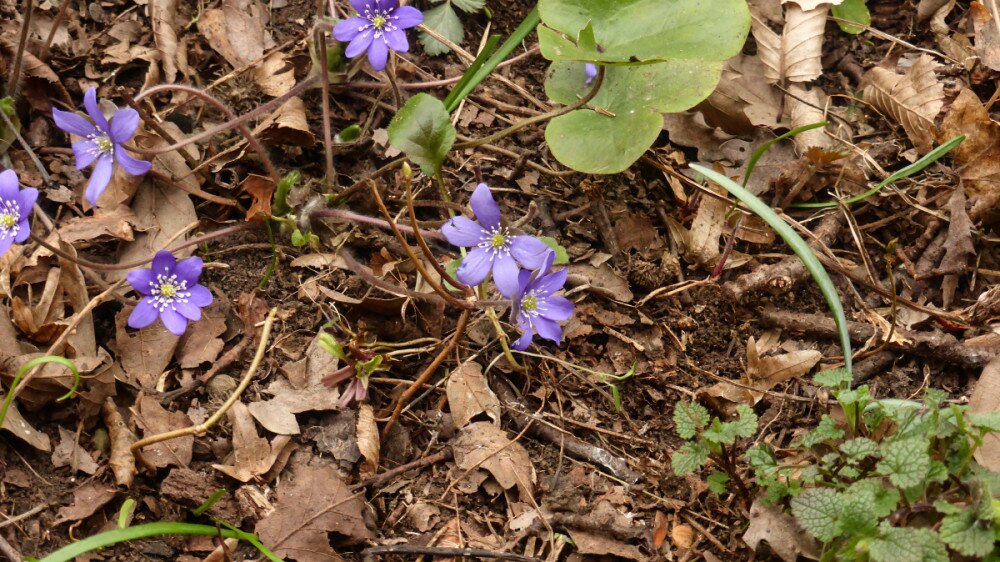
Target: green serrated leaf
[
  {"x": 761, "y": 458},
  {"x": 885, "y": 499},
  {"x": 689, "y": 418},
  {"x": 444, "y": 20},
  {"x": 987, "y": 421},
  {"x": 826, "y": 429},
  {"x": 689, "y": 458},
  {"x": 905, "y": 461},
  {"x": 833, "y": 378},
  {"x": 857, "y": 516},
  {"x": 856, "y": 450},
  {"x": 967, "y": 535},
  {"x": 717, "y": 482},
  {"x": 469, "y": 6},
  {"x": 818, "y": 512},
  {"x": 746, "y": 424},
  {"x": 562, "y": 258},
  {"x": 720, "y": 432},
  {"x": 422, "y": 129},
  {"x": 907, "y": 544},
  {"x": 852, "y": 11}
]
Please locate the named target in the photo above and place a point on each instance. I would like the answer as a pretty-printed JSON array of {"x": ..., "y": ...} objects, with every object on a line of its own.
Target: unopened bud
[{"x": 407, "y": 171}]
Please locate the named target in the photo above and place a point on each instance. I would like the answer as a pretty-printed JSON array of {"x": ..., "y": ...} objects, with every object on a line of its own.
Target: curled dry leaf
[
  {"x": 959, "y": 249},
  {"x": 287, "y": 125},
  {"x": 121, "y": 459},
  {"x": 275, "y": 75},
  {"x": 702, "y": 241},
  {"x": 469, "y": 395},
  {"x": 16, "y": 425},
  {"x": 252, "y": 455},
  {"x": 913, "y": 99},
  {"x": 601, "y": 280},
  {"x": 795, "y": 55},
  {"x": 985, "y": 20},
  {"x": 154, "y": 420},
  {"x": 483, "y": 445},
  {"x": 977, "y": 160},
  {"x": 368, "y": 439},
  {"x": 804, "y": 104},
  {"x": 163, "y": 14},
  {"x": 144, "y": 354},
  {"x": 237, "y": 31},
  {"x": 985, "y": 399},
  {"x": 779, "y": 530}
]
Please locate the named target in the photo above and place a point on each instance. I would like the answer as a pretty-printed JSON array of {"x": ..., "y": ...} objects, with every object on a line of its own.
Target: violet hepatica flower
[
  {"x": 170, "y": 292},
  {"x": 591, "y": 70},
  {"x": 377, "y": 28},
  {"x": 101, "y": 142},
  {"x": 15, "y": 210},
  {"x": 536, "y": 308},
  {"x": 494, "y": 248}
]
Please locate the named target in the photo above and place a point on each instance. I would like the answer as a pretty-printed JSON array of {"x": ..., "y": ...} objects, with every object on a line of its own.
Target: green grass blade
[
  {"x": 927, "y": 160},
  {"x": 798, "y": 245},
  {"x": 31, "y": 365},
  {"x": 527, "y": 26},
  {"x": 115, "y": 536},
  {"x": 767, "y": 146},
  {"x": 484, "y": 54}
]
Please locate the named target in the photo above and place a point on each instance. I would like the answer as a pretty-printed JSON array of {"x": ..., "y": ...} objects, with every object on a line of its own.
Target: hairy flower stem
[
  {"x": 15, "y": 76},
  {"x": 372, "y": 221},
  {"x": 56, "y": 23},
  {"x": 331, "y": 175},
  {"x": 423, "y": 243},
  {"x": 233, "y": 121},
  {"x": 138, "y": 263},
  {"x": 598, "y": 81}
]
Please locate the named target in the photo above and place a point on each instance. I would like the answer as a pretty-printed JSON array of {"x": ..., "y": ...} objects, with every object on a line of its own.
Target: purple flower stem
[
  {"x": 408, "y": 179},
  {"x": 232, "y": 121},
  {"x": 56, "y": 24},
  {"x": 331, "y": 175},
  {"x": 365, "y": 219}
]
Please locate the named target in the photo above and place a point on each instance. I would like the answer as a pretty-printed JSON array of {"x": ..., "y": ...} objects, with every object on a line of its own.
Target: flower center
[
  {"x": 529, "y": 303},
  {"x": 166, "y": 290},
  {"x": 10, "y": 216},
  {"x": 498, "y": 240},
  {"x": 102, "y": 144},
  {"x": 378, "y": 22}
]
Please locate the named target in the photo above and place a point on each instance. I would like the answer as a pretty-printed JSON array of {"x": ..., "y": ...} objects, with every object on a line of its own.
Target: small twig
[
  {"x": 426, "y": 374},
  {"x": 27, "y": 148},
  {"x": 15, "y": 77},
  {"x": 201, "y": 428},
  {"x": 60, "y": 17},
  {"x": 379, "y": 479},
  {"x": 9, "y": 551},
  {"x": 365, "y": 219},
  {"x": 370, "y": 553},
  {"x": 21, "y": 517},
  {"x": 331, "y": 175},
  {"x": 197, "y": 192},
  {"x": 423, "y": 243}
]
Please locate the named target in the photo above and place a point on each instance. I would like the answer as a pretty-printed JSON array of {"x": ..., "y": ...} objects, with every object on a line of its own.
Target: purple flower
[
  {"x": 101, "y": 141},
  {"x": 495, "y": 249},
  {"x": 15, "y": 210},
  {"x": 377, "y": 28},
  {"x": 357, "y": 389},
  {"x": 536, "y": 309},
  {"x": 591, "y": 71},
  {"x": 171, "y": 292}
]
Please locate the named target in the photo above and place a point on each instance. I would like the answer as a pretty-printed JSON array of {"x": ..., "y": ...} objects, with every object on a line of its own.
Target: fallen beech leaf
[
  {"x": 683, "y": 536},
  {"x": 469, "y": 395},
  {"x": 237, "y": 30},
  {"x": 87, "y": 499},
  {"x": 275, "y": 74},
  {"x": 368, "y": 439},
  {"x": 987, "y": 33},
  {"x": 485, "y": 446},
  {"x": 762, "y": 374},
  {"x": 605, "y": 516},
  {"x": 121, "y": 459},
  {"x": 262, "y": 190},
  {"x": 69, "y": 453},
  {"x": 913, "y": 99},
  {"x": 201, "y": 343},
  {"x": 977, "y": 160},
  {"x": 153, "y": 420},
  {"x": 310, "y": 503},
  {"x": 163, "y": 14},
  {"x": 769, "y": 523},
  {"x": 804, "y": 105},
  {"x": 985, "y": 399},
  {"x": 252, "y": 455},
  {"x": 600, "y": 280},
  {"x": 793, "y": 56},
  {"x": 39, "y": 79},
  {"x": 702, "y": 242},
  {"x": 144, "y": 354},
  {"x": 16, "y": 425},
  {"x": 287, "y": 125},
  {"x": 115, "y": 222}
]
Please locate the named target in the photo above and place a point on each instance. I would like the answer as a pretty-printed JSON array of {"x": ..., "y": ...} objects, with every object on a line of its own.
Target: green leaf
[
  {"x": 633, "y": 100},
  {"x": 689, "y": 418},
  {"x": 422, "y": 129},
  {"x": 854, "y": 11},
  {"x": 856, "y": 450},
  {"x": 761, "y": 459},
  {"x": 857, "y": 512},
  {"x": 469, "y": 6},
  {"x": 331, "y": 346},
  {"x": 906, "y": 544},
  {"x": 643, "y": 30},
  {"x": 562, "y": 258},
  {"x": 989, "y": 421},
  {"x": 746, "y": 425},
  {"x": 833, "y": 378},
  {"x": 717, "y": 482},
  {"x": 825, "y": 430},
  {"x": 818, "y": 512},
  {"x": 905, "y": 461},
  {"x": 689, "y": 458},
  {"x": 966, "y": 535},
  {"x": 444, "y": 20}
]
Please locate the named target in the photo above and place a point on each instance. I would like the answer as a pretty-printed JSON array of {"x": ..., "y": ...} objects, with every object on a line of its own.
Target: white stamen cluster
[
  {"x": 496, "y": 241},
  {"x": 529, "y": 304},
  {"x": 379, "y": 20},
  {"x": 167, "y": 290},
  {"x": 102, "y": 144},
  {"x": 10, "y": 219}
]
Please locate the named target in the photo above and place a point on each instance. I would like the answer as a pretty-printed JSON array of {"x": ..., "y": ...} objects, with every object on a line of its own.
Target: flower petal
[
  {"x": 99, "y": 178},
  {"x": 73, "y": 123},
  {"x": 131, "y": 165},
  {"x": 348, "y": 29},
  {"x": 529, "y": 251},
  {"x": 5, "y": 243},
  {"x": 527, "y": 333},
  {"x": 505, "y": 272},
  {"x": 475, "y": 267},
  {"x": 174, "y": 322},
  {"x": 143, "y": 314},
  {"x": 163, "y": 263},
  {"x": 387, "y": 5},
  {"x": 548, "y": 329},
  {"x": 123, "y": 125},
  {"x": 362, "y": 5},
  {"x": 188, "y": 310},
  {"x": 485, "y": 207},
  {"x": 85, "y": 151},
  {"x": 396, "y": 40},
  {"x": 555, "y": 308},
  {"x": 23, "y": 231},
  {"x": 26, "y": 200},
  {"x": 359, "y": 44},
  {"x": 8, "y": 185},
  {"x": 460, "y": 231},
  {"x": 548, "y": 284},
  {"x": 141, "y": 280},
  {"x": 407, "y": 17},
  {"x": 378, "y": 54},
  {"x": 189, "y": 270},
  {"x": 200, "y": 296},
  {"x": 94, "y": 110}
]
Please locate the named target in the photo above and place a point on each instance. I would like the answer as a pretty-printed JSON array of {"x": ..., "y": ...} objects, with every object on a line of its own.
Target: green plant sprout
[{"x": 28, "y": 366}]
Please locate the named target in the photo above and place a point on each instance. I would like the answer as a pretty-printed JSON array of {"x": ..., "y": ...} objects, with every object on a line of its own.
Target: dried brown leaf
[
  {"x": 985, "y": 399},
  {"x": 795, "y": 55},
  {"x": 287, "y": 125},
  {"x": 601, "y": 280},
  {"x": 469, "y": 395},
  {"x": 144, "y": 354},
  {"x": 804, "y": 105},
  {"x": 485, "y": 446},
  {"x": 368, "y": 439},
  {"x": 252, "y": 454},
  {"x": 163, "y": 14},
  {"x": 986, "y": 22},
  {"x": 959, "y": 249},
  {"x": 275, "y": 75},
  {"x": 977, "y": 160},
  {"x": 16, "y": 425},
  {"x": 69, "y": 453},
  {"x": 237, "y": 31},
  {"x": 122, "y": 461},
  {"x": 202, "y": 342},
  {"x": 702, "y": 244},
  {"x": 87, "y": 499},
  {"x": 153, "y": 420},
  {"x": 913, "y": 99}
]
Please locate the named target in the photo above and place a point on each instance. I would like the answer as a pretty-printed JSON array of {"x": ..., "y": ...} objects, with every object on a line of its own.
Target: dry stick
[
  {"x": 370, "y": 553},
  {"x": 423, "y": 243},
  {"x": 27, "y": 148},
  {"x": 424, "y": 376},
  {"x": 52, "y": 32},
  {"x": 197, "y": 192},
  {"x": 9, "y": 551},
  {"x": 15, "y": 78},
  {"x": 201, "y": 428},
  {"x": 331, "y": 175},
  {"x": 239, "y": 123},
  {"x": 22, "y": 516},
  {"x": 413, "y": 256},
  {"x": 365, "y": 219},
  {"x": 379, "y": 479}
]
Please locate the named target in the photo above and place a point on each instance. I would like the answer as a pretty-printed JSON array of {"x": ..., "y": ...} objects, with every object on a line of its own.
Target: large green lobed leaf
[{"x": 422, "y": 129}]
